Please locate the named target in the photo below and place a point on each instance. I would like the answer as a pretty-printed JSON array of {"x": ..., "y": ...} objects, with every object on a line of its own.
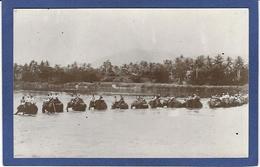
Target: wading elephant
[
  {"x": 139, "y": 104},
  {"x": 155, "y": 103},
  {"x": 52, "y": 107},
  {"x": 76, "y": 105},
  {"x": 192, "y": 103},
  {"x": 27, "y": 108},
  {"x": 98, "y": 105},
  {"x": 120, "y": 105}
]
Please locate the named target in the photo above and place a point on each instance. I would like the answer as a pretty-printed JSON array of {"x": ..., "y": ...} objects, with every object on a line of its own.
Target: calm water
[{"x": 131, "y": 133}]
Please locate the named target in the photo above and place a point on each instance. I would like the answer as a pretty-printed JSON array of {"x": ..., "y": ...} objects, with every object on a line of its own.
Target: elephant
[
  {"x": 232, "y": 101},
  {"x": 173, "y": 103},
  {"x": 139, "y": 104},
  {"x": 98, "y": 104},
  {"x": 27, "y": 108},
  {"x": 52, "y": 107},
  {"x": 76, "y": 105},
  {"x": 155, "y": 103},
  {"x": 192, "y": 103},
  {"x": 120, "y": 105},
  {"x": 215, "y": 103}
]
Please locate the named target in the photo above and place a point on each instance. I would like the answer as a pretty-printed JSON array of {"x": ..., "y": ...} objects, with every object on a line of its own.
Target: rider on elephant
[
  {"x": 72, "y": 100},
  {"x": 225, "y": 98},
  {"x": 55, "y": 98},
  {"x": 195, "y": 97},
  {"x": 50, "y": 98},
  {"x": 22, "y": 101},
  {"x": 121, "y": 100},
  {"x": 100, "y": 104},
  {"x": 32, "y": 100},
  {"x": 100, "y": 98},
  {"x": 27, "y": 105},
  {"x": 115, "y": 100},
  {"x": 22, "y": 106},
  {"x": 158, "y": 100},
  {"x": 27, "y": 99},
  {"x": 140, "y": 99},
  {"x": 78, "y": 99},
  {"x": 93, "y": 98},
  {"x": 92, "y": 102},
  {"x": 238, "y": 99}
]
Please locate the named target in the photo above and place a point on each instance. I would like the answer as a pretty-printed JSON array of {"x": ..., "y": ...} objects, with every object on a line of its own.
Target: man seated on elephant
[
  {"x": 92, "y": 102},
  {"x": 121, "y": 100},
  {"x": 56, "y": 98},
  {"x": 225, "y": 98},
  {"x": 21, "y": 107},
  {"x": 158, "y": 99},
  {"x": 237, "y": 99},
  {"x": 22, "y": 101},
  {"x": 100, "y": 98},
  {"x": 92, "y": 98},
  {"x": 32, "y": 100},
  {"x": 140, "y": 99},
  {"x": 171, "y": 99},
  {"x": 27, "y": 100},
  {"x": 195, "y": 97},
  {"x": 115, "y": 100},
  {"x": 78, "y": 99},
  {"x": 154, "y": 98},
  {"x": 50, "y": 98}
]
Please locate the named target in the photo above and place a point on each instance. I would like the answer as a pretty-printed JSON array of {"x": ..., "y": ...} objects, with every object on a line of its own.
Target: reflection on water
[{"x": 162, "y": 132}]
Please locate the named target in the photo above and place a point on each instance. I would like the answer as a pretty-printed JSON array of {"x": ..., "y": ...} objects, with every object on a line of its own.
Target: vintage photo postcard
[{"x": 130, "y": 83}]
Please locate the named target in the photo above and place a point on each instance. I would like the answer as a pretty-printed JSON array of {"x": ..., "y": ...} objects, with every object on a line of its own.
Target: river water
[{"x": 172, "y": 133}]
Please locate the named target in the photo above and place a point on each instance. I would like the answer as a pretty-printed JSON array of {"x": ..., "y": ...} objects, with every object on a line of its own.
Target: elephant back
[
  {"x": 79, "y": 107},
  {"x": 100, "y": 105},
  {"x": 58, "y": 107}
]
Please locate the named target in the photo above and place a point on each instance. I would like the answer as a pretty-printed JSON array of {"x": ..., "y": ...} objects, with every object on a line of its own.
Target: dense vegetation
[{"x": 201, "y": 70}]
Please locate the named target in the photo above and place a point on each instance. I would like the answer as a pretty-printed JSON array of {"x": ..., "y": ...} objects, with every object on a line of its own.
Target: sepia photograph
[{"x": 131, "y": 83}]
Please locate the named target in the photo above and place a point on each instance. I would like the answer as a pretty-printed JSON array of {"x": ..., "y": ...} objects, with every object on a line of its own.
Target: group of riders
[
  {"x": 52, "y": 98},
  {"x": 227, "y": 100},
  {"x": 171, "y": 102},
  {"x": 119, "y": 104},
  {"x": 53, "y": 104},
  {"x": 27, "y": 105}
]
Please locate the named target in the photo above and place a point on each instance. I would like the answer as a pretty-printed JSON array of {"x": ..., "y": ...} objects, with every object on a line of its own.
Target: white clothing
[
  {"x": 27, "y": 99},
  {"x": 32, "y": 100}
]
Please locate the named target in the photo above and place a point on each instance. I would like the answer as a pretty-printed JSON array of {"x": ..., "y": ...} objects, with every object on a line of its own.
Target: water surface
[{"x": 163, "y": 132}]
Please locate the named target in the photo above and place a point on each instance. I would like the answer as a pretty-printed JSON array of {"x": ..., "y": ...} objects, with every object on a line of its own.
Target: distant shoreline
[{"x": 145, "y": 89}]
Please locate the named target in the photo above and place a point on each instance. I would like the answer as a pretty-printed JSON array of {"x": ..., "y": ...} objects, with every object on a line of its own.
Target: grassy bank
[{"x": 131, "y": 88}]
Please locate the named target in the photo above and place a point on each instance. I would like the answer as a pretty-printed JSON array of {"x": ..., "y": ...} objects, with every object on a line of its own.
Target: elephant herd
[
  {"x": 77, "y": 104},
  {"x": 227, "y": 101}
]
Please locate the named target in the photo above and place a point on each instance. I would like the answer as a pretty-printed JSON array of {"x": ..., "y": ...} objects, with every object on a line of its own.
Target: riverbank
[{"x": 110, "y": 88}]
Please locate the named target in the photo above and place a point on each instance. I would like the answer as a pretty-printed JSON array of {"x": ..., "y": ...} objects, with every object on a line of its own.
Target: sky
[{"x": 63, "y": 36}]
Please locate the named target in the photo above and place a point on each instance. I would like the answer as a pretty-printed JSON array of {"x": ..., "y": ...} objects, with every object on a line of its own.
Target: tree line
[{"x": 202, "y": 70}]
